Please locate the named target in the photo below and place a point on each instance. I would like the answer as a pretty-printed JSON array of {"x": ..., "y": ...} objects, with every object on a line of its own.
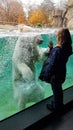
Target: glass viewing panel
[
  {"x": 8, "y": 104},
  {"x": 20, "y": 87}
]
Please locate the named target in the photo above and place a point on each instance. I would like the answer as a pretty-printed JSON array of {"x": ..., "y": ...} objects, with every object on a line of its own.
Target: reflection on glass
[{"x": 8, "y": 104}]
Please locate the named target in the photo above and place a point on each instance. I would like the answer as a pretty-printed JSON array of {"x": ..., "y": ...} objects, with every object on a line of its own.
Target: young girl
[{"x": 56, "y": 68}]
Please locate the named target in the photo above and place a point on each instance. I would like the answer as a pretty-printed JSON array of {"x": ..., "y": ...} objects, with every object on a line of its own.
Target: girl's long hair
[{"x": 65, "y": 39}]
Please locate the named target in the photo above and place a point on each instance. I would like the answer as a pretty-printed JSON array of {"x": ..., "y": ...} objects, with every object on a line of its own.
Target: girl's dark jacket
[{"x": 54, "y": 69}]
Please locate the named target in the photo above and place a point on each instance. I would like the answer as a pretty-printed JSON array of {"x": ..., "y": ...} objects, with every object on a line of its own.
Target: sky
[
  {"x": 39, "y": 1},
  {"x": 32, "y": 1},
  {"x": 27, "y": 3}
]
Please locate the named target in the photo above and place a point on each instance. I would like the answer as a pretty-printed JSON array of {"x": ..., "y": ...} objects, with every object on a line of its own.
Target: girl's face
[{"x": 59, "y": 37}]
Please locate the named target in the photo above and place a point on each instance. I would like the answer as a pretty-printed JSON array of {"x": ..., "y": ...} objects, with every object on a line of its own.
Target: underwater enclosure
[{"x": 8, "y": 105}]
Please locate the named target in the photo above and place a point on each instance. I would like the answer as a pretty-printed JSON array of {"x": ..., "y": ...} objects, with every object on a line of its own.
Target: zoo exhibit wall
[{"x": 8, "y": 105}]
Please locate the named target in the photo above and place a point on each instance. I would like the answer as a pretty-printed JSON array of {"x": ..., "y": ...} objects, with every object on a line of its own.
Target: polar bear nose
[{"x": 39, "y": 41}]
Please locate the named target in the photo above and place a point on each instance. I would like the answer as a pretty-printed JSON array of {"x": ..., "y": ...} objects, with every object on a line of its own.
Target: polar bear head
[{"x": 26, "y": 49}]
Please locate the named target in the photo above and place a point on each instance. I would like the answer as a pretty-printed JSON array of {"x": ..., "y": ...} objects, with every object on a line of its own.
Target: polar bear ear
[{"x": 38, "y": 40}]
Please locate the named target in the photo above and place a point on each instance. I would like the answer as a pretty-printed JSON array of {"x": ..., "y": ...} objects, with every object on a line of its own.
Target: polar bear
[{"x": 26, "y": 53}]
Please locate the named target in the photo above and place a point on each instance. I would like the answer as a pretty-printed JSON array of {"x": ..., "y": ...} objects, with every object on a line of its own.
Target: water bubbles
[{"x": 36, "y": 31}]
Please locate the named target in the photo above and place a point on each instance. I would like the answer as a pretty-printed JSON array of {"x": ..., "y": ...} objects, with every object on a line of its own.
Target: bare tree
[
  {"x": 67, "y": 5},
  {"x": 47, "y": 6},
  {"x": 60, "y": 12},
  {"x": 11, "y": 10}
]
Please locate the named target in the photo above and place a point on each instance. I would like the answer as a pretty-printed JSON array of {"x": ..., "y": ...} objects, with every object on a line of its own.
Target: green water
[{"x": 8, "y": 105}]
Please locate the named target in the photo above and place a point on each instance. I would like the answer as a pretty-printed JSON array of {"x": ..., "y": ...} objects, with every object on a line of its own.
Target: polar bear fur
[{"x": 26, "y": 88}]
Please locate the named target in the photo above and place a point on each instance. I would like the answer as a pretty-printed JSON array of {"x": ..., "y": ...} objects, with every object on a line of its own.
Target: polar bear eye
[{"x": 30, "y": 49}]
